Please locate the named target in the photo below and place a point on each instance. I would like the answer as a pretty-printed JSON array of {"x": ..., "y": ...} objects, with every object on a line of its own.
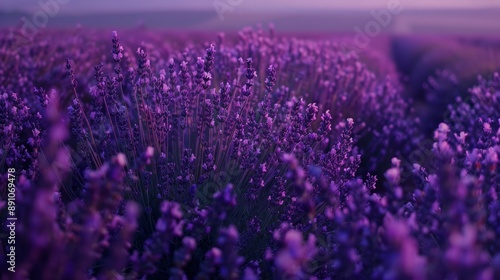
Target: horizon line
[{"x": 266, "y": 11}]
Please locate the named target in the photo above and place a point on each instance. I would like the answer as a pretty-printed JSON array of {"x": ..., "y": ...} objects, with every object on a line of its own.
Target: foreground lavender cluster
[{"x": 256, "y": 157}]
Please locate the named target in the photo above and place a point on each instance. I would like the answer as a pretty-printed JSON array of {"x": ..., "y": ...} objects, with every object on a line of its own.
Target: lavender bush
[{"x": 247, "y": 157}]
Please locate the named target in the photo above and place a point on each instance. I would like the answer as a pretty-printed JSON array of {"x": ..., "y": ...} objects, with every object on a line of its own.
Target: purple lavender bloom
[{"x": 259, "y": 157}]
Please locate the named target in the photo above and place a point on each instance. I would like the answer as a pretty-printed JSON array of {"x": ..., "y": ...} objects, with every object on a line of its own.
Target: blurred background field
[
  {"x": 414, "y": 21},
  {"x": 413, "y": 46}
]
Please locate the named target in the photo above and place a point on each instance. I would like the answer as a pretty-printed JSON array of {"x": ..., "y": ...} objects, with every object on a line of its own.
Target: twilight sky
[{"x": 241, "y": 5}]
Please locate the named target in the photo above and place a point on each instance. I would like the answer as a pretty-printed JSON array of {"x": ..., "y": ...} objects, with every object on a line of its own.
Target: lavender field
[{"x": 254, "y": 154}]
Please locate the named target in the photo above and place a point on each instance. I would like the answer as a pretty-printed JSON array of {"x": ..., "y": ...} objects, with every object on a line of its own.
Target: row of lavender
[{"x": 259, "y": 157}]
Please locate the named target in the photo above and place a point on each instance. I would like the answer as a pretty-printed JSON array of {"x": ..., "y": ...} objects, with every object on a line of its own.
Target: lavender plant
[{"x": 253, "y": 157}]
